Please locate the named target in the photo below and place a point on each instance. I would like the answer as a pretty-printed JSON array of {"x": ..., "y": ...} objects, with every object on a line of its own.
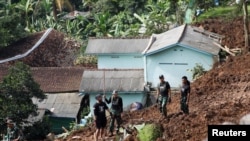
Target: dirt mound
[
  {"x": 233, "y": 30},
  {"x": 56, "y": 51},
  {"x": 221, "y": 95}
]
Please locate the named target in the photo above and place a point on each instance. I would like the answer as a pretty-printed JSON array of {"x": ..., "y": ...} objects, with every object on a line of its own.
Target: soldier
[
  {"x": 13, "y": 132},
  {"x": 100, "y": 116},
  {"x": 163, "y": 95},
  {"x": 116, "y": 110},
  {"x": 185, "y": 93}
]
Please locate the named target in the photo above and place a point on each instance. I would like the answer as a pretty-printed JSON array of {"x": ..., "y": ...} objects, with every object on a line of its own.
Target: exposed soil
[
  {"x": 56, "y": 51},
  {"x": 221, "y": 95},
  {"x": 233, "y": 30}
]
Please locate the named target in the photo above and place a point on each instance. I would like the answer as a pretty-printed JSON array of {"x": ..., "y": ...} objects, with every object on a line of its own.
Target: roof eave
[
  {"x": 198, "y": 50},
  {"x": 98, "y": 54},
  {"x": 159, "y": 50}
]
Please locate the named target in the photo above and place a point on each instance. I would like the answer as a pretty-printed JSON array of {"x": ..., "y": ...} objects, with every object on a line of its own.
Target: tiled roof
[{"x": 54, "y": 79}]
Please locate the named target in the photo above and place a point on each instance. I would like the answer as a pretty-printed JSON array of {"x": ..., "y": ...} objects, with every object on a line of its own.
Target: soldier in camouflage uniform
[
  {"x": 116, "y": 110},
  {"x": 185, "y": 93},
  {"x": 13, "y": 132},
  {"x": 163, "y": 95}
]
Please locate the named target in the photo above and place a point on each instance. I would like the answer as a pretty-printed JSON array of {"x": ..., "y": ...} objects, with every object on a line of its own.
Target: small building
[
  {"x": 118, "y": 53},
  {"x": 128, "y": 83},
  {"x": 175, "y": 52},
  {"x": 61, "y": 85},
  {"x": 63, "y": 103}
]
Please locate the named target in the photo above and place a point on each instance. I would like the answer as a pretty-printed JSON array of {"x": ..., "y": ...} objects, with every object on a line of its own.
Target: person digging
[{"x": 116, "y": 110}]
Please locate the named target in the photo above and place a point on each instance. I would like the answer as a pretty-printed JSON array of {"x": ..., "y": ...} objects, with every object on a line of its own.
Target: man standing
[
  {"x": 100, "y": 116},
  {"x": 185, "y": 93},
  {"x": 13, "y": 132},
  {"x": 116, "y": 110},
  {"x": 163, "y": 95}
]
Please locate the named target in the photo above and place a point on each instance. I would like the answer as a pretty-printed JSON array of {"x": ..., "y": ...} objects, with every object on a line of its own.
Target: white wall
[
  {"x": 120, "y": 62},
  {"x": 164, "y": 63}
]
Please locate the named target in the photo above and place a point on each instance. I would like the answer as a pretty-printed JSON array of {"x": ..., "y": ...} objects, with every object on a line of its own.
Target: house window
[
  {"x": 175, "y": 49},
  {"x": 115, "y": 57},
  {"x": 181, "y": 49},
  {"x": 181, "y": 63},
  {"x": 166, "y": 63},
  {"x": 137, "y": 56}
]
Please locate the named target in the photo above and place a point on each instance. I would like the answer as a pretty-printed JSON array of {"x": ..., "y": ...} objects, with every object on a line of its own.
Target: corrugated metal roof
[
  {"x": 166, "y": 39},
  {"x": 121, "y": 80},
  {"x": 116, "y": 45},
  {"x": 199, "y": 41},
  {"x": 62, "y": 104},
  {"x": 184, "y": 35}
]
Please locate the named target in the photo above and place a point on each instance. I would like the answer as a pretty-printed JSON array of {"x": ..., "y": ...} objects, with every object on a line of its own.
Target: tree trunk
[{"x": 246, "y": 30}]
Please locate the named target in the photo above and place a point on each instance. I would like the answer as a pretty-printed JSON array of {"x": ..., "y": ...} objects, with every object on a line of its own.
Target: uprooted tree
[{"x": 16, "y": 92}]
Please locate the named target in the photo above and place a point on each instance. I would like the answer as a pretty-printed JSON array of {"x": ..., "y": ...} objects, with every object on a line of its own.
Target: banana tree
[{"x": 25, "y": 7}]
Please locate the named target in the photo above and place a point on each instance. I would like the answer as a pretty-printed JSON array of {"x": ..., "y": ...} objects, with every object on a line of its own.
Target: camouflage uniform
[
  {"x": 163, "y": 89},
  {"x": 116, "y": 110},
  {"x": 185, "y": 91}
]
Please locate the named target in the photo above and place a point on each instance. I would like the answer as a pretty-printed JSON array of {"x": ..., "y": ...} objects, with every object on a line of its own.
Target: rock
[{"x": 245, "y": 120}]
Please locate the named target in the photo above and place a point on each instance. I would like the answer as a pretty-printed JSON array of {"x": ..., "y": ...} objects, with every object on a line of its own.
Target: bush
[
  {"x": 150, "y": 132},
  {"x": 38, "y": 130}
]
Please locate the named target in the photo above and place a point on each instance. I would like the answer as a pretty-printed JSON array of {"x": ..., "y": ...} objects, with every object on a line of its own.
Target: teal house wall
[
  {"x": 120, "y": 61},
  {"x": 118, "y": 53},
  {"x": 176, "y": 52},
  {"x": 176, "y": 62}
]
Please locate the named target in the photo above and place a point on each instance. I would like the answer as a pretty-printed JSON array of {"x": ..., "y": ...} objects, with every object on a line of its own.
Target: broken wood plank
[{"x": 225, "y": 49}]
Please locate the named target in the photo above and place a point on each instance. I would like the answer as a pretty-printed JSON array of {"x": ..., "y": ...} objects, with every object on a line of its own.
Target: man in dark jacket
[{"x": 116, "y": 110}]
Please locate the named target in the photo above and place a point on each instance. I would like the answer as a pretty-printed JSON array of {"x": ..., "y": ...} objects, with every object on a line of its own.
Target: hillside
[
  {"x": 232, "y": 29},
  {"x": 57, "y": 50},
  {"x": 221, "y": 95}
]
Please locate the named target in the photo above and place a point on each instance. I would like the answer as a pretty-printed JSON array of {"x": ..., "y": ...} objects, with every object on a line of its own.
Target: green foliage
[
  {"x": 38, "y": 130},
  {"x": 197, "y": 71},
  {"x": 86, "y": 60},
  {"x": 16, "y": 93},
  {"x": 150, "y": 132},
  {"x": 11, "y": 24}
]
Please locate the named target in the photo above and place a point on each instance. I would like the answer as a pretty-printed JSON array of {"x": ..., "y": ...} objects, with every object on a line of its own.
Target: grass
[{"x": 227, "y": 12}]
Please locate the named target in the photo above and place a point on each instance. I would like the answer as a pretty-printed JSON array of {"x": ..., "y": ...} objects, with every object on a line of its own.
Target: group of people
[
  {"x": 164, "y": 95},
  {"x": 100, "y": 108}
]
